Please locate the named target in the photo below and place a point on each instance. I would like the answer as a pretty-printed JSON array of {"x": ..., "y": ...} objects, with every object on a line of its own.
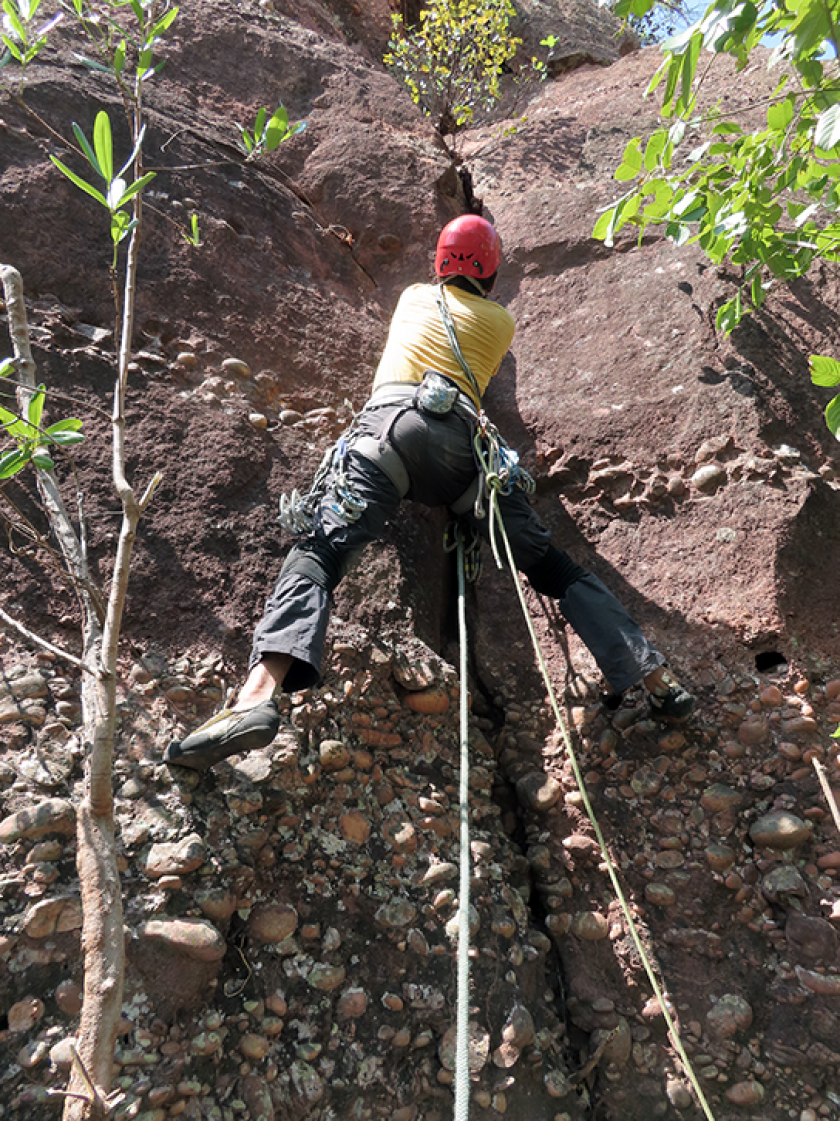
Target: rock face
[{"x": 289, "y": 916}]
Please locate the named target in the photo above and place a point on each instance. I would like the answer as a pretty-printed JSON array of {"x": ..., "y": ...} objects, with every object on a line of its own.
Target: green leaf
[
  {"x": 103, "y": 145},
  {"x": 69, "y": 424},
  {"x": 824, "y": 370},
  {"x": 92, "y": 64},
  {"x": 827, "y": 132},
  {"x": 631, "y": 161},
  {"x": 654, "y": 149},
  {"x": 780, "y": 115},
  {"x": 758, "y": 293},
  {"x": 163, "y": 24},
  {"x": 43, "y": 461},
  {"x": 602, "y": 225},
  {"x": 14, "y": 425},
  {"x": 730, "y": 315},
  {"x": 832, "y": 415},
  {"x": 690, "y": 67},
  {"x": 90, "y": 155},
  {"x": 638, "y": 8},
  {"x": 74, "y": 178},
  {"x": 121, "y": 225},
  {"x": 11, "y": 462},
  {"x": 135, "y": 187},
  {"x": 259, "y": 123},
  {"x": 7, "y": 366},
  {"x": 36, "y": 407},
  {"x": 14, "y": 21},
  {"x": 277, "y": 130},
  {"x": 192, "y": 236},
  {"x": 67, "y": 439}
]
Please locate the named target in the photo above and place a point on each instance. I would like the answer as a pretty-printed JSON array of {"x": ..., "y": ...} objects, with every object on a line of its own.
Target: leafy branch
[{"x": 767, "y": 198}]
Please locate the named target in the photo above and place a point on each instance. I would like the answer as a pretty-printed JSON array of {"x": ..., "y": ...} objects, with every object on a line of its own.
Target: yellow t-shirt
[{"x": 417, "y": 339}]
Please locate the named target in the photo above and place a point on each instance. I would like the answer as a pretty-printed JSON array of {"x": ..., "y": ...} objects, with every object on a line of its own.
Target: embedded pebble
[
  {"x": 432, "y": 702},
  {"x": 52, "y": 816},
  {"x": 196, "y": 938},
  {"x": 68, "y": 997},
  {"x": 754, "y": 732},
  {"x": 720, "y": 857},
  {"x": 780, "y": 830},
  {"x": 273, "y": 922},
  {"x": 333, "y": 755},
  {"x": 811, "y": 938},
  {"x": 746, "y": 1094},
  {"x": 25, "y": 1014},
  {"x": 62, "y": 1053},
  {"x": 354, "y": 827},
  {"x": 591, "y": 926},
  {"x": 176, "y": 858},
  {"x": 351, "y": 1004},
  {"x": 718, "y": 798},
  {"x": 396, "y": 913},
  {"x": 235, "y": 367},
  {"x": 53, "y": 916},
  {"x": 478, "y": 1047},
  {"x": 660, "y": 894},
  {"x": 326, "y": 977},
  {"x": 254, "y": 1046},
  {"x": 730, "y": 1015},
  {"x": 709, "y": 478},
  {"x": 539, "y": 791}
]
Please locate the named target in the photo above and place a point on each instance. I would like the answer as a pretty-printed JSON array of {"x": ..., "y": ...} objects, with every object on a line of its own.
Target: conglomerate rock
[{"x": 289, "y": 917}]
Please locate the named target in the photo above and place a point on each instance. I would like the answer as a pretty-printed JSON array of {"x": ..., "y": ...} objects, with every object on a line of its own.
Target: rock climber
[{"x": 414, "y": 439}]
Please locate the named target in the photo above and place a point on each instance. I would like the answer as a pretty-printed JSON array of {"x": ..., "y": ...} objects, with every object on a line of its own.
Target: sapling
[{"x": 123, "y": 36}]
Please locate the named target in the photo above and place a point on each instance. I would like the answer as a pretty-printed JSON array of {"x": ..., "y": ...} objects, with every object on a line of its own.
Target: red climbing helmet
[{"x": 468, "y": 246}]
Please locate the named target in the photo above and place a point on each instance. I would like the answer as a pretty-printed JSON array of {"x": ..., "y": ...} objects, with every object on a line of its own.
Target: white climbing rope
[
  {"x": 462, "y": 1050},
  {"x": 495, "y": 513},
  {"x": 500, "y": 472}
]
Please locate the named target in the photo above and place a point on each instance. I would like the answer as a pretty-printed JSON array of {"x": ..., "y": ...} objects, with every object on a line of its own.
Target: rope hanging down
[
  {"x": 495, "y": 514},
  {"x": 462, "y": 1052}
]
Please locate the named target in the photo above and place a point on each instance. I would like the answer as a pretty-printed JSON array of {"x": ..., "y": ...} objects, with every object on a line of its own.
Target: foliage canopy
[
  {"x": 453, "y": 59},
  {"x": 765, "y": 198}
]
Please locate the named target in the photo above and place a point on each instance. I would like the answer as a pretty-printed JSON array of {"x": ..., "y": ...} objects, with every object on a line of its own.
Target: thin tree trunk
[{"x": 102, "y": 930}]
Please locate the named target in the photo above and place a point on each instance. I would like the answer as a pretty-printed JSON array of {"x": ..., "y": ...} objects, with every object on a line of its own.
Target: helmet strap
[{"x": 471, "y": 280}]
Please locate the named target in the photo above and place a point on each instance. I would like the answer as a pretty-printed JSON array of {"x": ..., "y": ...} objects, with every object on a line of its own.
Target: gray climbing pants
[{"x": 437, "y": 454}]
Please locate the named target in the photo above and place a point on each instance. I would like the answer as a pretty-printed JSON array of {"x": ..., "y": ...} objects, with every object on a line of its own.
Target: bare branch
[
  {"x": 827, "y": 791},
  {"x": 30, "y": 636}
]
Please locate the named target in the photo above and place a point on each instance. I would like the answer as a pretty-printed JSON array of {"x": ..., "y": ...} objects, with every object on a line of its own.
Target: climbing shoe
[
  {"x": 670, "y": 699},
  {"x": 227, "y": 733}
]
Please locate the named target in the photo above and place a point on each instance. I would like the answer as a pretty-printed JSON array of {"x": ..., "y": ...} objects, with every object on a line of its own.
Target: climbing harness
[{"x": 493, "y": 481}]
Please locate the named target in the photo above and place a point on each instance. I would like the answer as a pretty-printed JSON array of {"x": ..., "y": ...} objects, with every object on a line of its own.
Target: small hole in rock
[{"x": 768, "y": 660}]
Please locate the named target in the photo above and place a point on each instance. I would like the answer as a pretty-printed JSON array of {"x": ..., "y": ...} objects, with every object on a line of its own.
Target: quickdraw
[
  {"x": 461, "y": 535},
  {"x": 297, "y": 511}
]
